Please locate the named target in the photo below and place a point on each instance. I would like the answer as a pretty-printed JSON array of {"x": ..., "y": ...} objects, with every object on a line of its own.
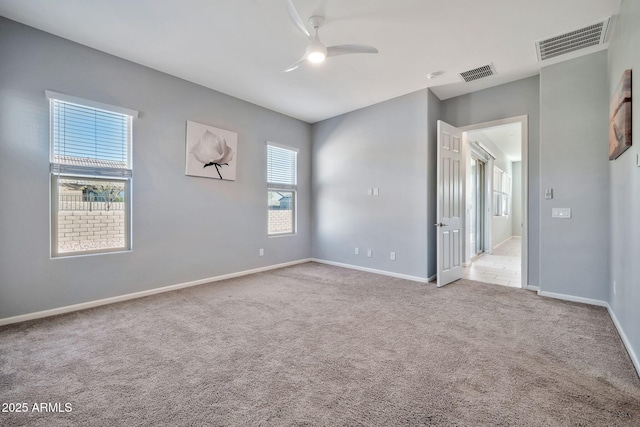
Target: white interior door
[{"x": 450, "y": 204}]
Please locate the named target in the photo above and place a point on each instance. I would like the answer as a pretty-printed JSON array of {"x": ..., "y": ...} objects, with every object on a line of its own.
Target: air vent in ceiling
[
  {"x": 572, "y": 41},
  {"x": 478, "y": 73}
]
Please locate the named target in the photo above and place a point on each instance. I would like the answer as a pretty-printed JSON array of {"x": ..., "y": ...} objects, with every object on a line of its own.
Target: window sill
[
  {"x": 281, "y": 235},
  {"x": 68, "y": 255}
]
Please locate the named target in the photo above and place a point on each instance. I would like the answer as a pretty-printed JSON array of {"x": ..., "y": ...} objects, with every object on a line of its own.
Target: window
[
  {"x": 501, "y": 193},
  {"x": 281, "y": 189},
  {"x": 91, "y": 172}
]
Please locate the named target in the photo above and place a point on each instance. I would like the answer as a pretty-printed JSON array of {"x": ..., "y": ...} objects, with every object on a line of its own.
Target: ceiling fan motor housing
[{"x": 316, "y": 21}]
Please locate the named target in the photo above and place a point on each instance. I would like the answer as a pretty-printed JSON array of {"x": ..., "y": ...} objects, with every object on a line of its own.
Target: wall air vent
[
  {"x": 572, "y": 41},
  {"x": 478, "y": 73}
]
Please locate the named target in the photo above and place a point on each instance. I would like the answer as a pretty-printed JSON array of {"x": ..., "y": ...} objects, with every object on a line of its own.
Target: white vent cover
[
  {"x": 582, "y": 38},
  {"x": 478, "y": 73}
]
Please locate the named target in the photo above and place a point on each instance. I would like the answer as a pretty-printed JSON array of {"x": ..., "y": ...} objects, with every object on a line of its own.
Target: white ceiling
[
  {"x": 240, "y": 47},
  {"x": 505, "y": 137}
]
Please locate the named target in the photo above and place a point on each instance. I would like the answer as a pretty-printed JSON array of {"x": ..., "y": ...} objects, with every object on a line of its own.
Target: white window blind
[
  {"x": 281, "y": 167},
  {"x": 86, "y": 139},
  {"x": 501, "y": 192},
  {"x": 506, "y": 183},
  {"x": 497, "y": 179}
]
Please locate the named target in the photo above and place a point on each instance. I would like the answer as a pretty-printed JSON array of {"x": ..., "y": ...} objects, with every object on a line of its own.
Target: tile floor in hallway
[{"x": 502, "y": 267}]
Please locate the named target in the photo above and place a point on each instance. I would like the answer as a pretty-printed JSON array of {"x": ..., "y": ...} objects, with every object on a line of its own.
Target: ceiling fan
[{"x": 316, "y": 51}]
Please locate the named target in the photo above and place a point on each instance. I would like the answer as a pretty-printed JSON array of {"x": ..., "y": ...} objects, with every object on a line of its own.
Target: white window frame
[
  {"x": 61, "y": 170},
  {"x": 284, "y": 187}
]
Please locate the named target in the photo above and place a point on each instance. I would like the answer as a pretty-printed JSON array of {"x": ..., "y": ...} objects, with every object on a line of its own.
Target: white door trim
[{"x": 524, "y": 137}]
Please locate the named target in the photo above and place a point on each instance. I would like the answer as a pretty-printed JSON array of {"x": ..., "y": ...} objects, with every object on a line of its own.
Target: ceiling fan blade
[
  {"x": 295, "y": 65},
  {"x": 345, "y": 49},
  {"x": 295, "y": 18}
]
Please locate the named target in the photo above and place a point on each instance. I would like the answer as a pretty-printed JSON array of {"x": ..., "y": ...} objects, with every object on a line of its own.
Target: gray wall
[
  {"x": 624, "y": 188},
  {"x": 509, "y": 100},
  {"x": 382, "y": 146},
  {"x": 516, "y": 205},
  {"x": 184, "y": 228},
  {"x": 574, "y": 162}
]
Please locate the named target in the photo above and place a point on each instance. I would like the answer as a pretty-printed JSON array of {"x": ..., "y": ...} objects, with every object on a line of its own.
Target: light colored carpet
[{"x": 323, "y": 346}]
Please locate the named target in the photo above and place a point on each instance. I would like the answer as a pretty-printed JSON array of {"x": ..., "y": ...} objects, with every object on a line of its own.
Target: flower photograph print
[{"x": 211, "y": 152}]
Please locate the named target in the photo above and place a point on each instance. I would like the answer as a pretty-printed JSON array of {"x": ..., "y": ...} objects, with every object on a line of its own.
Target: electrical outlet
[
  {"x": 261, "y": 252},
  {"x": 357, "y": 251},
  {"x": 392, "y": 256},
  {"x": 376, "y": 191},
  {"x": 369, "y": 191},
  {"x": 369, "y": 253}
]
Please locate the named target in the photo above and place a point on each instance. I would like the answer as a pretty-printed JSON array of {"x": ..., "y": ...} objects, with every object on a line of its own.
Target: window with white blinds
[
  {"x": 90, "y": 162},
  {"x": 281, "y": 167},
  {"x": 88, "y": 133},
  {"x": 282, "y": 170},
  {"x": 501, "y": 192},
  {"x": 89, "y": 136}
]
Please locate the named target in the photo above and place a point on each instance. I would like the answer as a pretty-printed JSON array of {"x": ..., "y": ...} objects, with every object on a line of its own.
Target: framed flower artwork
[{"x": 211, "y": 152}]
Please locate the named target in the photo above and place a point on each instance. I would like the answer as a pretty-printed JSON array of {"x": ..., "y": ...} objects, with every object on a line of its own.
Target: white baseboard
[
  {"x": 572, "y": 298},
  {"x": 372, "y": 270},
  {"x": 111, "y": 300},
  {"x": 625, "y": 340},
  {"x": 432, "y": 278},
  {"x": 502, "y": 243}
]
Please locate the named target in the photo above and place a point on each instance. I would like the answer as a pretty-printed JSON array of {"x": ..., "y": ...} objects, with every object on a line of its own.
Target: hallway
[{"x": 500, "y": 268}]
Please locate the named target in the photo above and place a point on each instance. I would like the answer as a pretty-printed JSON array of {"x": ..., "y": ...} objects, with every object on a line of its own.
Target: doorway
[{"x": 496, "y": 202}]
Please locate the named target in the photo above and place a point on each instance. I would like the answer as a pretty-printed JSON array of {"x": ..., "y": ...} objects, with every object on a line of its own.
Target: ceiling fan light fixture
[
  {"x": 316, "y": 57},
  {"x": 316, "y": 53}
]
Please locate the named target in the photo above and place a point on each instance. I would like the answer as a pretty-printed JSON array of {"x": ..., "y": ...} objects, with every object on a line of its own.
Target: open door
[{"x": 450, "y": 206}]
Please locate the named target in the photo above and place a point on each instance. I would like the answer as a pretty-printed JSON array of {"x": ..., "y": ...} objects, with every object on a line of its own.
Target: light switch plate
[{"x": 561, "y": 213}]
